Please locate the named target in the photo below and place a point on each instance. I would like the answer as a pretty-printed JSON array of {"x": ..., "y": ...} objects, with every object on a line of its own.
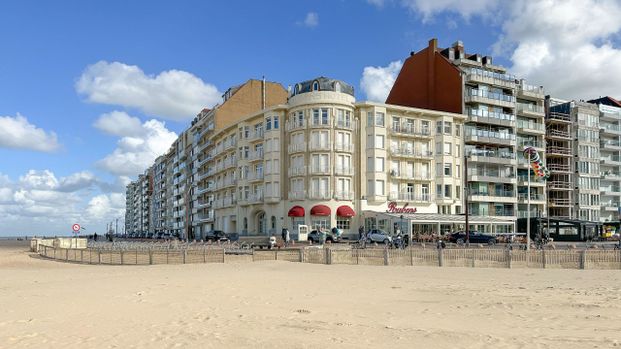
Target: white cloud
[
  {"x": 172, "y": 94},
  {"x": 376, "y": 82},
  {"x": 16, "y": 132},
  {"x": 311, "y": 20},
  {"x": 570, "y": 53},
  {"x": 40, "y": 203},
  {"x": 119, "y": 123},
  {"x": 135, "y": 154},
  {"x": 467, "y": 9}
]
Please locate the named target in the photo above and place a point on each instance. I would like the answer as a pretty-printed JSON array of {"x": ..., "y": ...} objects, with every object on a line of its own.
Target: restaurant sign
[{"x": 392, "y": 208}]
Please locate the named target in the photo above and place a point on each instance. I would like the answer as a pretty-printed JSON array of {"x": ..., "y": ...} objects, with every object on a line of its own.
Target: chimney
[
  {"x": 431, "y": 72},
  {"x": 263, "y": 92}
]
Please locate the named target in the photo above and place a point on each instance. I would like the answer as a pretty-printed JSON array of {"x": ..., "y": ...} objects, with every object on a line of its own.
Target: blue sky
[{"x": 48, "y": 47}]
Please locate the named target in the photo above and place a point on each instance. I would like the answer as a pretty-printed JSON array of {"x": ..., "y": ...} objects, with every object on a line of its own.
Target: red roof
[
  {"x": 345, "y": 211},
  {"x": 320, "y": 210},
  {"x": 297, "y": 211}
]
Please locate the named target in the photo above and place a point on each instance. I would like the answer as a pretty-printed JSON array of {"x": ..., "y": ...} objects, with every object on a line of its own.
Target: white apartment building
[{"x": 610, "y": 163}]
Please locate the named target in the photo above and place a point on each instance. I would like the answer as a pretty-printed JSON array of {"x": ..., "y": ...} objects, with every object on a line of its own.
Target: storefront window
[
  {"x": 343, "y": 223},
  {"x": 320, "y": 223}
]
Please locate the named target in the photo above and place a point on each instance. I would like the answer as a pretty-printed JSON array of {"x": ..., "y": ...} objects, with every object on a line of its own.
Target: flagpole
[{"x": 528, "y": 208}]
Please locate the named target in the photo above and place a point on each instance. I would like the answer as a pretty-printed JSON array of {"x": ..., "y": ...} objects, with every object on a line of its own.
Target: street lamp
[{"x": 466, "y": 195}]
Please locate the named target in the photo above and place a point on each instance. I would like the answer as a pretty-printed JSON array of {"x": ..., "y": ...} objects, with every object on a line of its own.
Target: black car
[
  {"x": 216, "y": 235},
  {"x": 474, "y": 238},
  {"x": 315, "y": 237}
]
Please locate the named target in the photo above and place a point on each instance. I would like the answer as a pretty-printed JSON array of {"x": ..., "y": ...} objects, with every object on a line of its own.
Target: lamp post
[
  {"x": 528, "y": 206},
  {"x": 466, "y": 194}
]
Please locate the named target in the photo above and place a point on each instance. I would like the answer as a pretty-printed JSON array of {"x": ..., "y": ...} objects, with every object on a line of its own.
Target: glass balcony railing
[
  {"x": 532, "y": 108},
  {"x": 490, "y": 134},
  {"x": 531, "y": 125},
  {"x": 490, "y": 114},
  {"x": 490, "y": 95}
]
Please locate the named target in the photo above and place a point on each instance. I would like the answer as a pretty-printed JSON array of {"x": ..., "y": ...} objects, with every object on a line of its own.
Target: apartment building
[
  {"x": 610, "y": 157},
  {"x": 138, "y": 204},
  {"x": 504, "y": 115}
]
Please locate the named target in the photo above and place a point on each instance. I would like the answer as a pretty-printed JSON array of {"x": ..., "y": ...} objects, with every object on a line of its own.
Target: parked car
[
  {"x": 216, "y": 235},
  {"x": 315, "y": 237},
  {"x": 380, "y": 236},
  {"x": 475, "y": 238}
]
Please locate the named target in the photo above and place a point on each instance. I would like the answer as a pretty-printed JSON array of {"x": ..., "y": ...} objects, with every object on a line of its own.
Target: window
[
  {"x": 300, "y": 118},
  {"x": 394, "y": 167},
  {"x": 343, "y": 188},
  {"x": 379, "y": 119},
  {"x": 246, "y": 131},
  {"x": 273, "y": 220},
  {"x": 439, "y": 190},
  {"x": 268, "y": 166},
  {"x": 315, "y": 116},
  {"x": 343, "y": 223},
  {"x": 370, "y": 121},
  {"x": 457, "y": 130},
  {"x": 379, "y": 187},
  {"x": 439, "y": 127},
  {"x": 315, "y": 86},
  {"x": 447, "y": 127},
  {"x": 447, "y": 169},
  {"x": 447, "y": 148},
  {"x": 457, "y": 191},
  {"x": 457, "y": 150},
  {"x": 268, "y": 123},
  {"x": 458, "y": 171},
  {"x": 379, "y": 164},
  {"x": 447, "y": 191},
  {"x": 320, "y": 187},
  {"x": 275, "y": 122},
  {"x": 320, "y": 163},
  {"x": 379, "y": 141},
  {"x": 424, "y": 127},
  {"x": 325, "y": 119},
  {"x": 369, "y": 164}
]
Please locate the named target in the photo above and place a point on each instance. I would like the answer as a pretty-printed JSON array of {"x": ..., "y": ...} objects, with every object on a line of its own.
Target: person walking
[
  {"x": 360, "y": 233},
  {"x": 287, "y": 237}
]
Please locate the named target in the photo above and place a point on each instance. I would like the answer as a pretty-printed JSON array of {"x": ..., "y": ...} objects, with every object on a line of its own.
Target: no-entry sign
[{"x": 75, "y": 227}]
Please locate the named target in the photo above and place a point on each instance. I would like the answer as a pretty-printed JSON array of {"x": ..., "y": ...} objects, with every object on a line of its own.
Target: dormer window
[
  {"x": 337, "y": 87},
  {"x": 297, "y": 89},
  {"x": 315, "y": 86}
]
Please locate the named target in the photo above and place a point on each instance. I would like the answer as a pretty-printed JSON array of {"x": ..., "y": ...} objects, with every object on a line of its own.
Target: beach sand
[{"x": 48, "y": 304}]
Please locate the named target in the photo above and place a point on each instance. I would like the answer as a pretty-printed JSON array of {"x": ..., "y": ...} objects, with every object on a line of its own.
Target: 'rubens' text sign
[{"x": 392, "y": 208}]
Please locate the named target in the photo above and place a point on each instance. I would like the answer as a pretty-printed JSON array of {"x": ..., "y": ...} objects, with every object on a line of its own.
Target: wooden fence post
[
  {"x": 411, "y": 257},
  {"x": 440, "y": 257},
  {"x": 99, "y": 256},
  {"x": 583, "y": 259},
  {"x": 509, "y": 259},
  {"x": 121, "y": 252},
  {"x": 301, "y": 250},
  {"x": 543, "y": 258},
  {"x": 328, "y": 256},
  {"x": 385, "y": 256},
  {"x": 66, "y": 255},
  {"x": 150, "y": 255},
  {"x": 204, "y": 254},
  {"x": 223, "y": 255},
  {"x": 167, "y": 250},
  {"x": 184, "y": 255},
  {"x": 136, "y": 256}
]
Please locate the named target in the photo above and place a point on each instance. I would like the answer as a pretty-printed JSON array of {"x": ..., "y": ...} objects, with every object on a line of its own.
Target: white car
[{"x": 378, "y": 235}]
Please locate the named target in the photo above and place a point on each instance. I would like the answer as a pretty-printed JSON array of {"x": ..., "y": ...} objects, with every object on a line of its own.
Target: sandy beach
[{"x": 49, "y": 304}]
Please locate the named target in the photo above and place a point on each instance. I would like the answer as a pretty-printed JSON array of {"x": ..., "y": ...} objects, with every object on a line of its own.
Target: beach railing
[{"x": 451, "y": 257}]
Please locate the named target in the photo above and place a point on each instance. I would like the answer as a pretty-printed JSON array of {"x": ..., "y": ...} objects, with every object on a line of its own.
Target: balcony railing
[
  {"x": 558, "y": 133},
  {"x": 604, "y": 144},
  {"x": 610, "y": 128},
  {"x": 407, "y": 152},
  {"x": 611, "y": 159},
  {"x": 532, "y": 89},
  {"x": 490, "y": 95},
  {"x": 533, "y": 197},
  {"x": 297, "y": 195},
  {"x": 497, "y": 194},
  {"x": 559, "y": 185},
  {"x": 521, "y": 124},
  {"x": 344, "y": 170},
  {"x": 256, "y": 155},
  {"x": 297, "y": 147},
  {"x": 297, "y": 171},
  {"x": 559, "y": 201},
  {"x": 523, "y": 143},
  {"x": 407, "y": 175},
  {"x": 320, "y": 169},
  {"x": 344, "y": 195},
  {"x": 408, "y": 196},
  {"x": 343, "y": 147},
  {"x": 491, "y": 154},
  {"x": 410, "y": 130},
  {"x": 556, "y": 116},
  {"x": 490, "y": 173},
  {"x": 501, "y": 136},
  {"x": 295, "y": 124},
  {"x": 530, "y": 108},
  {"x": 320, "y": 195},
  {"x": 491, "y": 115},
  {"x": 558, "y": 150},
  {"x": 319, "y": 146},
  {"x": 255, "y": 176},
  {"x": 256, "y": 135}
]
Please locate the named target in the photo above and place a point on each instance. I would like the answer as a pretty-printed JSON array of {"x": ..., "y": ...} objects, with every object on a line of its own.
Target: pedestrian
[
  {"x": 360, "y": 233},
  {"x": 283, "y": 233},
  {"x": 287, "y": 237},
  {"x": 95, "y": 237}
]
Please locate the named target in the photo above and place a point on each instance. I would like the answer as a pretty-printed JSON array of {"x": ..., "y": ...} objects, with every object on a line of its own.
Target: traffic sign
[{"x": 75, "y": 227}]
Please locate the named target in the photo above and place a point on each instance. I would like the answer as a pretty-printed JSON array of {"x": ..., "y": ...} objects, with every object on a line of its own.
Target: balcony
[
  {"x": 610, "y": 145},
  {"x": 226, "y": 202},
  {"x": 534, "y": 198},
  {"x": 610, "y": 128},
  {"x": 611, "y": 191},
  {"x": 255, "y": 176},
  {"x": 320, "y": 170},
  {"x": 558, "y": 167},
  {"x": 531, "y": 127},
  {"x": 203, "y": 204},
  {"x": 179, "y": 214},
  {"x": 344, "y": 195},
  {"x": 611, "y": 160},
  {"x": 297, "y": 195},
  {"x": 409, "y": 197},
  {"x": 525, "y": 90},
  {"x": 524, "y": 143},
  {"x": 612, "y": 206},
  {"x": 205, "y": 189},
  {"x": 342, "y": 147},
  {"x": 561, "y": 134},
  {"x": 345, "y": 124},
  {"x": 253, "y": 198},
  {"x": 487, "y": 97},
  {"x": 297, "y": 148},
  {"x": 256, "y": 136},
  {"x": 499, "y": 196},
  {"x": 489, "y": 137},
  {"x": 205, "y": 218},
  {"x": 320, "y": 195},
  {"x": 297, "y": 171},
  {"x": 488, "y": 117},
  {"x": 557, "y": 150},
  {"x": 295, "y": 124},
  {"x": 555, "y": 117},
  {"x": 319, "y": 146},
  {"x": 530, "y": 109},
  {"x": 256, "y": 156},
  {"x": 489, "y": 175},
  {"x": 343, "y": 170},
  {"x": 410, "y": 176},
  {"x": 227, "y": 182},
  {"x": 489, "y": 77},
  {"x": 492, "y": 156},
  {"x": 559, "y": 202},
  {"x": 204, "y": 146},
  {"x": 406, "y": 129},
  {"x": 524, "y": 213},
  {"x": 611, "y": 176},
  {"x": 534, "y": 181},
  {"x": 411, "y": 153}
]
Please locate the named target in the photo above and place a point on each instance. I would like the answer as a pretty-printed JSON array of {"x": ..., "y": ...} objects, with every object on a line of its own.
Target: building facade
[{"x": 504, "y": 115}]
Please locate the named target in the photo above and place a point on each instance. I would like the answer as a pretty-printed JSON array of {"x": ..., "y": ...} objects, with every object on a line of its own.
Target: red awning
[
  {"x": 320, "y": 210},
  {"x": 296, "y": 211},
  {"x": 345, "y": 211}
]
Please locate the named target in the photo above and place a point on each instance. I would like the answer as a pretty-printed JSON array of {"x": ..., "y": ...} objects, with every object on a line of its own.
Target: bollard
[
  {"x": 301, "y": 250},
  {"x": 385, "y": 256},
  {"x": 328, "y": 256},
  {"x": 440, "y": 258},
  {"x": 583, "y": 259}
]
